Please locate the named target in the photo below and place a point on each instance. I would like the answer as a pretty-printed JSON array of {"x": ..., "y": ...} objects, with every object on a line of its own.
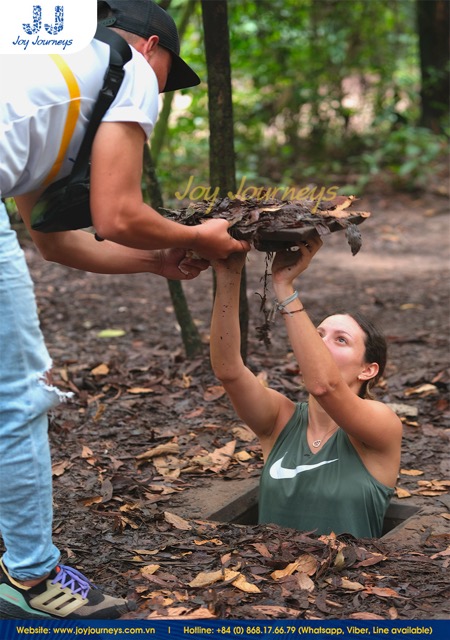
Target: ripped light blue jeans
[{"x": 25, "y": 466}]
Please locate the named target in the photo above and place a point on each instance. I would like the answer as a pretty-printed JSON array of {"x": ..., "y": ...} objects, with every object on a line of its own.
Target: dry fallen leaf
[
  {"x": 262, "y": 549},
  {"x": 305, "y": 583},
  {"x": 402, "y": 493},
  {"x": 345, "y": 583},
  {"x": 382, "y": 592},
  {"x": 176, "y": 521},
  {"x": 243, "y": 456},
  {"x": 213, "y": 393},
  {"x": 307, "y": 564},
  {"x": 206, "y": 578},
  {"x": 184, "y": 613},
  {"x": 58, "y": 468},
  {"x": 243, "y": 433},
  {"x": 276, "y": 611},
  {"x": 221, "y": 458},
  {"x": 374, "y": 558},
  {"x": 101, "y": 370},
  {"x": 168, "y": 466},
  {"x": 88, "y": 502},
  {"x": 215, "y": 541},
  {"x": 149, "y": 570},
  {"x": 411, "y": 472},
  {"x": 446, "y": 552},
  {"x": 195, "y": 413},
  {"x": 423, "y": 390},
  {"x": 160, "y": 450},
  {"x": 287, "y": 571},
  {"x": 139, "y": 390},
  {"x": 242, "y": 584}
]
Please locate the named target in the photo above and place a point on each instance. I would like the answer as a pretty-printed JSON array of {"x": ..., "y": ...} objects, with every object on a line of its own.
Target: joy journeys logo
[{"x": 47, "y": 27}]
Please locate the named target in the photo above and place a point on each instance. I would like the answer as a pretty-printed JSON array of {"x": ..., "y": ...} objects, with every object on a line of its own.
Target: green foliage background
[{"x": 297, "y": 68}]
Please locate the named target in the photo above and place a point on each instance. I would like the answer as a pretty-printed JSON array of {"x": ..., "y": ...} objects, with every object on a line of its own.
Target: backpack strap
[{"x": 119, "y": 55}]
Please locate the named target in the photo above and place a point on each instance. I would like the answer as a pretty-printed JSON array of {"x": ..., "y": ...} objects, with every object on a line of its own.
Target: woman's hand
[
  {"x": 178, "y": 264},
  {"x": 232, "y": 265},
  {"x": 290, "y": 263}
]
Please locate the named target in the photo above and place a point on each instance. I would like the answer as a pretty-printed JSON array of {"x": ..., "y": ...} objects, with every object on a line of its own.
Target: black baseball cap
[{"x": 145, "y": 18}]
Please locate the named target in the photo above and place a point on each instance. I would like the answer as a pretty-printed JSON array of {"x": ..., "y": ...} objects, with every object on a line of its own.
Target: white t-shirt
[{"x": 33, "y": 107}]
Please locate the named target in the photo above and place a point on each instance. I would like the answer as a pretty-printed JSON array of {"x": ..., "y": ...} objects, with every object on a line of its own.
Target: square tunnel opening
[{"x": 245, "y": 511}]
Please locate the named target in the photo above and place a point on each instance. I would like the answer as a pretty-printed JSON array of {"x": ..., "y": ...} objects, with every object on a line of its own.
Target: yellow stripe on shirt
[{"x": 73, "y": 112}]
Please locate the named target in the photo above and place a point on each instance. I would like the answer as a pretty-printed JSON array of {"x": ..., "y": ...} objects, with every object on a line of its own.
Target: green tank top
[{"x": 330, "y": 491}]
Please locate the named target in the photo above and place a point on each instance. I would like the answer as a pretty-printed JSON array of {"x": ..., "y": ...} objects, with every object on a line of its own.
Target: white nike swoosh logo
[{"x": 277, "y": 472}]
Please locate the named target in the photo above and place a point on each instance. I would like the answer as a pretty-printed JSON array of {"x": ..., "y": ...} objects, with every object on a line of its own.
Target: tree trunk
[
  {"x": 221, "y": 141},
  {"x": 189, "y": 332},
  {"x": 434, "y": 46}
]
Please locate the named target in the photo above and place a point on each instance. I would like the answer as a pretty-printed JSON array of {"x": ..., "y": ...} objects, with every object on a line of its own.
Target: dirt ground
[{"x": 146, "y": 426}]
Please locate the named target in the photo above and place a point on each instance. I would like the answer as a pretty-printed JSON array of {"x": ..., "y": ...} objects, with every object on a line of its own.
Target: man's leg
[
  {"x": 25, "y": 468},
  {"x": 25, "y": 471}
]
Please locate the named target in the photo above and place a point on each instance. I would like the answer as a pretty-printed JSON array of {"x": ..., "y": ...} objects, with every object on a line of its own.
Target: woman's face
[{"x": 345, "y": 340}]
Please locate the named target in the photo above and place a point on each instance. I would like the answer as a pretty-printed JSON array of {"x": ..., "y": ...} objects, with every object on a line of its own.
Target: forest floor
[{"x": 146, "y": 428}]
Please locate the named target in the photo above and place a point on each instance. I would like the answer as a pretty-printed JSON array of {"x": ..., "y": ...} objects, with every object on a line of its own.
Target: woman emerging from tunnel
[{"x": 331, "y": 463}]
